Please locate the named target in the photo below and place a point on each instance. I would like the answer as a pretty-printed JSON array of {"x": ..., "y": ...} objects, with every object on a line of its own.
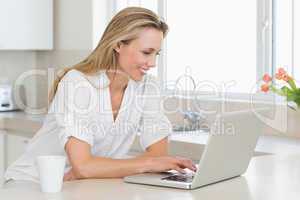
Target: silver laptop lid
[{"x": 230, "y": 146}]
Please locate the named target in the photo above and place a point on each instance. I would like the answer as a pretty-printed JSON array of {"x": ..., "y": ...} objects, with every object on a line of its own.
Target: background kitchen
[{"x": 213, "y": 57}]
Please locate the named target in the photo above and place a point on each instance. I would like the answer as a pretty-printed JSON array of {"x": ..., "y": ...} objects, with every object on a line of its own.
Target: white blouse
[{"x": 82, "y": 109}]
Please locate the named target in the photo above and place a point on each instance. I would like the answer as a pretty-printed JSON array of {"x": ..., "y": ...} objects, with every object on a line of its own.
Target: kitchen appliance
[{"x": 6, "y": 98}]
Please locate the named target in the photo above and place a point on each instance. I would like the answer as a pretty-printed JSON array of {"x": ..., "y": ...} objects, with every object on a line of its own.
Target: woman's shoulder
[
  {"x": 96, "y": 80},
  {"x": 73, "y": 75}
]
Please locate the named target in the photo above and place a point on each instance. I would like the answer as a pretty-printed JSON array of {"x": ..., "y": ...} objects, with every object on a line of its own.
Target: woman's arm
[
  {"x": 84, "y": 165},
  {"x": 159, "y": 148}
]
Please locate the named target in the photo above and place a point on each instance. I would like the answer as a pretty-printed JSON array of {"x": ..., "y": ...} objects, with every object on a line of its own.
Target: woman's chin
[{"x": 138, "y": 77}]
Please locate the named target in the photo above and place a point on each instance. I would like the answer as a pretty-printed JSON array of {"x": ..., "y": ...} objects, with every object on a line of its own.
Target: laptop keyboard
[{"x": 180, "y": 178}]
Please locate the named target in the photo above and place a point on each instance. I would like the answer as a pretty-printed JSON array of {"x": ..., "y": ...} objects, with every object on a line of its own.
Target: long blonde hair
[{"x": 123, "y": 27}]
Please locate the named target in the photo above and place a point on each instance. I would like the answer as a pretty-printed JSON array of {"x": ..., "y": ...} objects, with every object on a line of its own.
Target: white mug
[{"x": 51, "y": 172}]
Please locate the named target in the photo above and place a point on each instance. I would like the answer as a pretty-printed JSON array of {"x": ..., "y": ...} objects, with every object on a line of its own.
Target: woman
[{"x": 98, "y": 106}]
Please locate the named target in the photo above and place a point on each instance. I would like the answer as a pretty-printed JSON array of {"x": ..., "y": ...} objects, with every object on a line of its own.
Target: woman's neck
[{"x": 118, "y": 81}]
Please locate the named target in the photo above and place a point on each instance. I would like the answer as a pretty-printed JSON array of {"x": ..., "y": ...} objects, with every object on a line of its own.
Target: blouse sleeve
[
  {"x": 71, "y": 107},
  {"x": 154, "y": 125}
]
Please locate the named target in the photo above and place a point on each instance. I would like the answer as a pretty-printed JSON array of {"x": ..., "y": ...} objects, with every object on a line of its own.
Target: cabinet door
[
  {"x": 2, "y": 156},
  {"x": 26, "y": 24},
  {"x": 15, "y": 146}
]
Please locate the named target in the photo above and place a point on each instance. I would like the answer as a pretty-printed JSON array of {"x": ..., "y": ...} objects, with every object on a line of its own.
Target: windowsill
[{"x": 260, "y": 98}]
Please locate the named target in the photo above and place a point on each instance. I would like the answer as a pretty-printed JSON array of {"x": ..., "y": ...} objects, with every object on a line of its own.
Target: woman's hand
[
  {"x": 153, "y": 164},
  {"x": 69, "y": 176},
  {"x": 166, "y": 163}
]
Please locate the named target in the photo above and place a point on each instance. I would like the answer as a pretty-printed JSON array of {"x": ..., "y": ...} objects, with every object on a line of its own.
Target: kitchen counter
[
  {"x": 271, "y": 177},
  {"x": 27, "y": 125},
  {"x": 19, "y": 121}
]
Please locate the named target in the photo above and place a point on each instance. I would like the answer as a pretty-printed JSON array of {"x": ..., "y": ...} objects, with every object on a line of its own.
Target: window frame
[{"x": 288, "y": 11}]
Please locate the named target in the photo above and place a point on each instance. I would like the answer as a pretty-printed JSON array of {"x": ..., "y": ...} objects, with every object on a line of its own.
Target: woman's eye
[
  {"x": 149, "y": 53},
  {"x": 146, "y": 53}
]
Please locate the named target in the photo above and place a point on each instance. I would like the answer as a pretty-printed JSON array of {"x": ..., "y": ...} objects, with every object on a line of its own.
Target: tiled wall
[{"x": 15, "y": 63}]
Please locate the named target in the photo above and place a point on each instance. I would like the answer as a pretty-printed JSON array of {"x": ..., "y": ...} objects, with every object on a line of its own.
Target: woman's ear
[{"x": 118, "y": 47}]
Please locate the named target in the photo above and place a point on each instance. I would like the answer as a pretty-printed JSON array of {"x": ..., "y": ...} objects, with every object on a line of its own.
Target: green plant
[{"x": 289, "y": 89}]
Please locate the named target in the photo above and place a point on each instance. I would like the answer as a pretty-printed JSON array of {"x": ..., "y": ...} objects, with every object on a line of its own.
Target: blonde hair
[{"x": 123, "y": 28}]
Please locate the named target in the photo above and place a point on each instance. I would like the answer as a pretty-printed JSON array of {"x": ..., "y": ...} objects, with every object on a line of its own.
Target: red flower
[
  {"x": 265, "y": 88},
  {"x": 282, "y": 75},
  {"x": 267, "y": 78},
  {"x": 281, "y": 71}
]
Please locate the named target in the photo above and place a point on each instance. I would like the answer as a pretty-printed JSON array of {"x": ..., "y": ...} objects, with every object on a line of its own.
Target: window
[
  {"x": 283, "y": 34},
  {"x": 152, "y": 4},
  {"x": 296, "y": 36},
  {"x": 214, "y": 42},
  {"x": 233, "y": 42},
  {"x": 286, "y": 47}
]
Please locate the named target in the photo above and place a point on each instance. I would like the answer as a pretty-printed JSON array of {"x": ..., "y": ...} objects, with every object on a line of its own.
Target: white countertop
[
  {"x": 272, "y": 177},
  {"x": 19, "y": 121},
  {"x": 22, "y": 115}
]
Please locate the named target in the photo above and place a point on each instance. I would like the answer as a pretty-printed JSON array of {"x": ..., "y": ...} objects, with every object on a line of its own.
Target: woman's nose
[{"x": 151, "y": 62}]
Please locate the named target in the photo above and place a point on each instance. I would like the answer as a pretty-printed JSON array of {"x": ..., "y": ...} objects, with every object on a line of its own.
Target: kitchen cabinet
[
  {"x": 2, "y": 156},
  {"x": 15, "y": 146},
  {"x": 12, "y": 145},
  {"x": 26, "y": 24}
]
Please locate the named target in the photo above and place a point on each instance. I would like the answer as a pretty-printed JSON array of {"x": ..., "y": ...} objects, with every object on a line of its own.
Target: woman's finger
[
  {"x": 66, "y": 178},
  {"x": 186, "y": 163},
  {"x": 69, "y": 176},
  {"x": 179, "y": 169}
]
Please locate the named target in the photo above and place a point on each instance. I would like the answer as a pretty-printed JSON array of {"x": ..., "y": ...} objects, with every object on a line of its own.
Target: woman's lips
[{"x": 144, "y": 70}]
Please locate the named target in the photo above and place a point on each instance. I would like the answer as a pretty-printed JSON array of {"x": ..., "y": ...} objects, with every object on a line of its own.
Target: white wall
[
  {"x": 73, "y": 25},
  {"x": 78, "y": 26}
]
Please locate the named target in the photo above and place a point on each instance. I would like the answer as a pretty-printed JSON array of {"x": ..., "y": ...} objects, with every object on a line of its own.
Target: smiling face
[{"x": 137, "y": 57}]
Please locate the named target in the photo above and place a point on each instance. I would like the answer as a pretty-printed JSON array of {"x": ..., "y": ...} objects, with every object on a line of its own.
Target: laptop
[{"x": 230, "y": 146}]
